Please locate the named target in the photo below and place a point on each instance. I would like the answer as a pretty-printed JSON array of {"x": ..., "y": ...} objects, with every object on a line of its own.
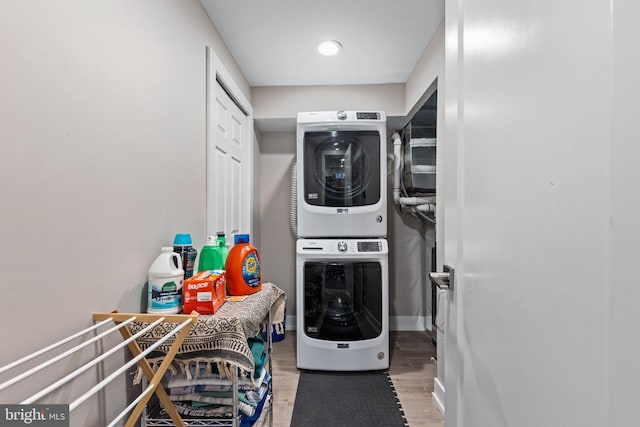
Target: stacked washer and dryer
[{"x": 342, "y": 279}]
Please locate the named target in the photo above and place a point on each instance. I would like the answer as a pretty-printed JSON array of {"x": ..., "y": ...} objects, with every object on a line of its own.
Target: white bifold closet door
[{"x": 228, "y": 179}]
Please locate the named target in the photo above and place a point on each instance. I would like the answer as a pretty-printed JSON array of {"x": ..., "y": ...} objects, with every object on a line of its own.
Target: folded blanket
[
  {"x": 254, "y": 397},
  {"x": 256, "y": 344},
  {"x": 212, "y": 411},
  {"x": 195, "y": 401},
  {"x": 181, "y": 385},
  {"x": 251, "y": 420},
  {"x": 201, "y": 364},
  {"x": 248, "y": 401}
]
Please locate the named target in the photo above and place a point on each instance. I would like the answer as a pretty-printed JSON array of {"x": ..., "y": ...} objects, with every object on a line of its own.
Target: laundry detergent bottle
[
  {"x": 213, "y": 254},
  {"x": 165, "y": 283},
  {"x": 242, "y": 268}
]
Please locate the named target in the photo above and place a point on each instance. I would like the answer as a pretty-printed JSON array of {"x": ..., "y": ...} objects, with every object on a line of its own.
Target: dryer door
[{"x": 342, "y": 168}]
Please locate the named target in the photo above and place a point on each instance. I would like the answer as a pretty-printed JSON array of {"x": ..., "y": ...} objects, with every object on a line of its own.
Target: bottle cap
[
  {"x": 241, "y": 238},
  {"x": 182, "y": 239},
  {"x": 220, "y": 234}
]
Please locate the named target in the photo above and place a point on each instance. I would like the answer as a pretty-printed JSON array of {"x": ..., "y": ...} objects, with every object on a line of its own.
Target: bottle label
[
  {"x": 251, "y": 270},
  {"x": 163, "y": 296},
  {"x": 188, "y": 256},
  {"x": 189, "y": 262}
]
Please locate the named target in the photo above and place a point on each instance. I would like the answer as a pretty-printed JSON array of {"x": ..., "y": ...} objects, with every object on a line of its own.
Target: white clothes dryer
[
  {"x": 342, "y": 300},
  {"x": 341, "y": 174}
]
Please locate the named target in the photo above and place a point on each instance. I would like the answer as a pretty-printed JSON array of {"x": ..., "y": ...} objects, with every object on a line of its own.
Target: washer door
[
  {"x": 342, "y": 168},
  {"x": 343, "y": 300}
]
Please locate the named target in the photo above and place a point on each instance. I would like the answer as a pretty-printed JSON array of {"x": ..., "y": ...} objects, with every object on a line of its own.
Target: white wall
[
  {"x": 429, "y": 67},
  {"x": 275, "y": 107},
  {"x": 541, "y": 106},
  {"x": 622, "y": 291},
  {"x": 430, "y": 71},
  {"x": 102, "y": 123}
]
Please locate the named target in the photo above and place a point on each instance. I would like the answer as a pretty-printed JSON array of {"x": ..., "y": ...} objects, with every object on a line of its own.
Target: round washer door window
[{"x": 342, "y": 168}]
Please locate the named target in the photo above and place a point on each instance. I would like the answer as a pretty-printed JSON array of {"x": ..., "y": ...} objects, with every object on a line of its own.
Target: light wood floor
[{"x": 411, "y": 371}]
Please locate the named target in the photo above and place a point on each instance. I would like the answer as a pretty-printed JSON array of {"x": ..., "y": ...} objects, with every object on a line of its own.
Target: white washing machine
[
  {"x": 342, "y": 174},
  {"x": 342, "y": 300}
]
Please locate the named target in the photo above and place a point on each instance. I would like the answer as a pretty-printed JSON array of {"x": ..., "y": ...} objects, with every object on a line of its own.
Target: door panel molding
[{"x": 229, "y": 187}]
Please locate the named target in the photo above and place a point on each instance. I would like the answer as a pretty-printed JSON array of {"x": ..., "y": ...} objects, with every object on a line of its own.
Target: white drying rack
[{"x": 121, "y": 322}]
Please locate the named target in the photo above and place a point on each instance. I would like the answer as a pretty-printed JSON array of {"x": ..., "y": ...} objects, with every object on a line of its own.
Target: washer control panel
[{"x": 342, "y": 246}]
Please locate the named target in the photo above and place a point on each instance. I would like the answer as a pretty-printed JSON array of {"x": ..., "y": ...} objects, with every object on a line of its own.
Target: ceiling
[{"x": 274, "y": 41}]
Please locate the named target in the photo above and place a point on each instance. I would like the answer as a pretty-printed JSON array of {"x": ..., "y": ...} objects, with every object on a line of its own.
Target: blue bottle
[{"x": 183, "y": 246}]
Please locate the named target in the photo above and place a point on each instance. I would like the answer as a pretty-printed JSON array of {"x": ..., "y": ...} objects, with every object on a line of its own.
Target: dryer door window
[
  {"x": 342, "y": 168},
  {"x": 343, "y": 301}
]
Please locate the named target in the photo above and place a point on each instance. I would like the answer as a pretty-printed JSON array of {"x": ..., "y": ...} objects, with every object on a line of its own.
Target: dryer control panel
[
  {"x": 367, "y": 116},
  {"x": 369, "y": 246},
  {"x": 342, "y": 246}
]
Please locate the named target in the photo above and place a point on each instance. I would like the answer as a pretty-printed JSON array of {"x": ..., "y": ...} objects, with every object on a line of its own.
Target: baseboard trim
[
  {"x": 396, "y": 323},
  {"x": 409, "y": 323},
  {"x": 438, "y": 395}
]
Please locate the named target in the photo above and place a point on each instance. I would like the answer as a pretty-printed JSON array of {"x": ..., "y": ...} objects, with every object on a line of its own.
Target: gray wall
[
  {"x": 102, "y": 123},
  {"x": 541, "y": 213},
  {"x": 278, "y": 249}
]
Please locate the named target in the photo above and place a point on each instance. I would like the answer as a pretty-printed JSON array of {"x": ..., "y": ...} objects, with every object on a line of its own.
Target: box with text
[{"x": 205, "y": 292}]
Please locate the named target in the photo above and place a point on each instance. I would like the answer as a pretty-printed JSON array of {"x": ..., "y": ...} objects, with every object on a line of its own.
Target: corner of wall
[{"x": 429, "y": 67}]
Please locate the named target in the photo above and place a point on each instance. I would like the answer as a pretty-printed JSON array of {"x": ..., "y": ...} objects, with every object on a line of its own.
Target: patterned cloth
[{"x": 219, "y": 338}]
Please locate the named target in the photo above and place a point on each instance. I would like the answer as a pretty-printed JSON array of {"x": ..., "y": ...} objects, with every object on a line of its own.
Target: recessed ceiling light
[{"x": 329, "y": 47}]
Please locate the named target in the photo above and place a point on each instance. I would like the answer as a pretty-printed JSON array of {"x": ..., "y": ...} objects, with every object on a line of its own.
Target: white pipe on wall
[
  {"x": 415, "y": 201},
  {"x": 416, "y": 204},
  {"x": 397, "y": 166},
  {"x": 427, "y": 207}
]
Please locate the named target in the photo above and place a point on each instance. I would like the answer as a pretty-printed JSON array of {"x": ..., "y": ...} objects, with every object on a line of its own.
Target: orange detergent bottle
[{"x": 242, "y": 267}]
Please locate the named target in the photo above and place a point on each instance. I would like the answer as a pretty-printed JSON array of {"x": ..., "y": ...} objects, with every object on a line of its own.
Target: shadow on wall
[
  {"x": 410, "y": 244},
  {"x": 135, "y": 300},
  {"x": 278, "y": 245}
]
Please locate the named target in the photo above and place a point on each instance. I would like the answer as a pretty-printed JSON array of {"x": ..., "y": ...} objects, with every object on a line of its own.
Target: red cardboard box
[{"x": 204, "y": 292}]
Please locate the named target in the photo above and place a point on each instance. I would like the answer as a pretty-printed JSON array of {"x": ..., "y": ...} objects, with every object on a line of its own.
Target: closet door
[{"x": 228, "y": 178}]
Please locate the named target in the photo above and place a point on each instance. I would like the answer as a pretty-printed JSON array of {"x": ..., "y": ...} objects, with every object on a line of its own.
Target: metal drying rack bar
[{"x": 121, "y": 321}]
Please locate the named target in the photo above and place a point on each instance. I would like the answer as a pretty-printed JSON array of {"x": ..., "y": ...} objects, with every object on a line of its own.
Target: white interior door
[
  {"x": 228, "y": 176},
  {"x": 537, "y": 281}
]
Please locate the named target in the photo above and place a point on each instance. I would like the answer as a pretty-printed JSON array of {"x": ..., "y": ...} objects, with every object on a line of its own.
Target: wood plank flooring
[{"x": 411, "y": 370}]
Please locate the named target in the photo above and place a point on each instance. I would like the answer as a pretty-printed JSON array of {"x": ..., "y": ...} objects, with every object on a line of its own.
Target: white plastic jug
[{"x": 165, "y": 283}]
